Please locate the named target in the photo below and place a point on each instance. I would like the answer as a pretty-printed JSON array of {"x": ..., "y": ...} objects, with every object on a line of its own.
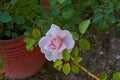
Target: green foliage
[
  {"x": 83, "y": 26},
  {"x": 52, "y": 2},
  {"x": 98, "y": 16},
  {"x": 77, "y": 59},
  {"x": 75, "y": 69},
  {"x": 1, "y": 64},
  {"x": 67, "y": 12},
  {"x": 36, "y": 33},
  {"x": 29, "y": 43},
  {"x": 5, "y": 17},
  {"x": 60, "y": 1},
  {"x": 75, "y": 35},
  {"x": 39, "y": 22},
  {"x": 103, "y": 76},
  {"x": 116, "y": 4},
  {"x": 66, "y": 68},
  {"x": 110, "y": 18},
  {"x": 19, "y": 20},
  {"x": 58, "y": 64},
  {"x": 93, "y": 3},
  {"x": 66, "y": 55},
  {"x": 55, "y": 10},
  {"x": 75, "y": 52},
  {"x": 103, "y": 27},
  {"x": 13, "y": 2},
  {"x": 84, "y": 44},
  {"x": 116, "y": 76}
]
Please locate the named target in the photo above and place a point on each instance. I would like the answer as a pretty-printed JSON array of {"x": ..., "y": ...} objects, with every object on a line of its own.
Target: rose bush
[{"x": 55, "y": 41}]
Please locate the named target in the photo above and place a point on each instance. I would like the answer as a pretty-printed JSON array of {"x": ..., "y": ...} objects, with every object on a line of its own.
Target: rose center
[{"x": 55, "y": 43}]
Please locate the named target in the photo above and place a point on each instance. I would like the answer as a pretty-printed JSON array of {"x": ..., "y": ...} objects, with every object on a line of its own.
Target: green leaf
[
  {"x": 97, "y": 18},
  {"x": 60, "y": 1},
  {"x": 58, "y": 64},
  {"x": 5, "y": 17},
  {"x": 55, "y": 10},
  {"x": 36, "y": 33},
  {"x": 52, "y": 2},
  {"x": 75, "y": 69},
  {"x": 116, "y": 4},
  {"x": 83, "y": 26},
  {"x": 8, "y": 33},
  {"x": 66, "y": 55},
  {"x": 83, "y": 2},
  {"x": 93, "y": 3},
  {"x": 67, "y": 12},
  {"x": 116, "y": 76},
  {"x": 84, "y": 44},
  {"x": 109, "y": 8},
  {"x": 27, "y": 33},
  {"x": 105, "y": 1},
  {"x": 19, "y": 20},
  {"x": 110, "y": 18},
  {"x": 103, "y": 27},
  {"x": 45, "y": 28},
  {"x": 29, "y": 29},
  {"x": 13, "y": 2},
  {"x": 66, "y": 68},
  {"x": 14, "y": 35},
  {"x": 1, "y": 64},
  {"x": 34, "y": 3},
  {"x": 75, "y": 52},
  {"x": 39, "y": 22},
  {"x": 103, "y": 76},
  {"x": 66, "y": 3},
  {"x": 75, "y": 35},
  {"x": 29, "y": 43},
  {"x": 77, "y": 59}
]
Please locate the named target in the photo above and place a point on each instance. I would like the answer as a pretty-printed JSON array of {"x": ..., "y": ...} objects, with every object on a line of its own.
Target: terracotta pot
[{"x": 18, "y": 62}]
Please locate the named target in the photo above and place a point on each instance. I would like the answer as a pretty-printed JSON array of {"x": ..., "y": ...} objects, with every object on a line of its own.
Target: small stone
[
  {"x": 118, "y": 57},
  {"x": 101, "y": 52}
]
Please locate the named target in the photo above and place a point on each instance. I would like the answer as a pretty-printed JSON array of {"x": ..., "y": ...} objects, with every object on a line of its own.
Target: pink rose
[{"x": 55, "y": 41}]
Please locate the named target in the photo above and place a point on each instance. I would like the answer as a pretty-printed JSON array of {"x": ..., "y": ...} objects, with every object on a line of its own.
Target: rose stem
[
  {"x": 88, "y": 72},
  {"x": 84, "y": 69}
]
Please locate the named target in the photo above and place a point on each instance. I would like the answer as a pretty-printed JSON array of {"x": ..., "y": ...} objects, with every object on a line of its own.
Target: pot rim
[{"x": 12, "y": 40}]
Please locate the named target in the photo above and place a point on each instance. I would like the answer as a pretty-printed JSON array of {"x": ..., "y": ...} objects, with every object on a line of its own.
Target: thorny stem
[{"x": 87, "y": 71}]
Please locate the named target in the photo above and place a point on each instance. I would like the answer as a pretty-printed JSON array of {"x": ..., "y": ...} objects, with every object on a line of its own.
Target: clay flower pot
[{"x": 18, "y": 62}]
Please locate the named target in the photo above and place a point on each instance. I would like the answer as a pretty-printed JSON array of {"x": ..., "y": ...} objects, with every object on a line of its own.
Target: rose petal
[
  {"x": 53, "y": 30},
  {"x": 51, "y": 57},
  {"x": 48, "y": 57},
  {"x": 58, "y": 56},
  {"x": 43, "y": 41},
  {"x": 55, "y": 52},
  {"x": 61, "y": 34},
  {"x": 48, "y": 48},
  {"x": 45, "y": 51},
  {"x": 64, "y": 46},
  {"x": 68, "y": 40}
]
